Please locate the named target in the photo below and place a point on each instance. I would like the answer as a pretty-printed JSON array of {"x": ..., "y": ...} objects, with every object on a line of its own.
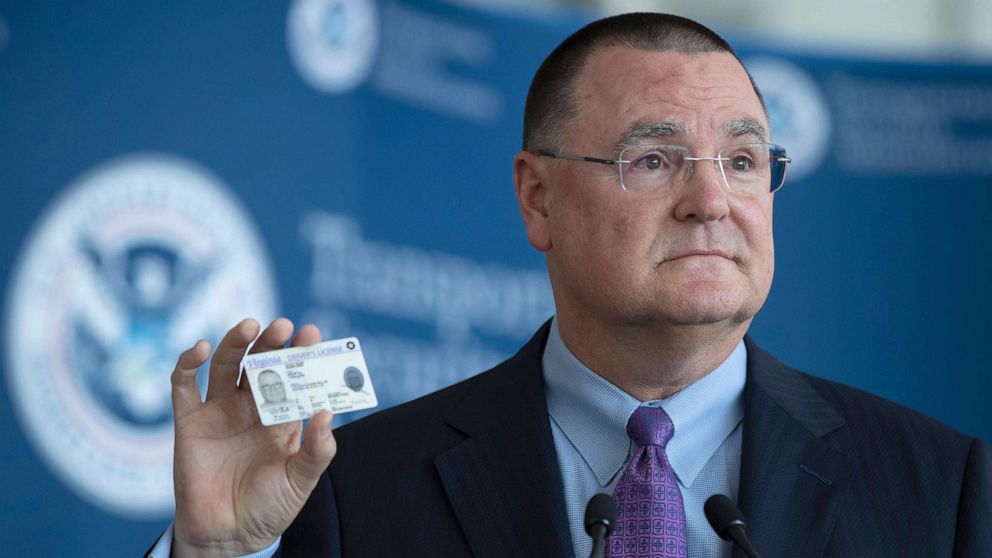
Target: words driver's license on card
[{"x": 293, "y": 384}]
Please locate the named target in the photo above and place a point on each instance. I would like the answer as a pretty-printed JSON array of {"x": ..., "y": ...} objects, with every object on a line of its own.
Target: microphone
[
  {"x": 728, "y": 522},
  {"x": 601, "y": 516}
]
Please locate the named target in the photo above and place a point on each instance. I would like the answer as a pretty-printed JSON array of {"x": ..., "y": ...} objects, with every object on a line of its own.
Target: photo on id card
[{"x": 278, "y": 398}]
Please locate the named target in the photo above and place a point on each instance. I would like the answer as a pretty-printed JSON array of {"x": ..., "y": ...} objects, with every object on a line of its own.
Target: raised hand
[{"x": 239, "y": 484}]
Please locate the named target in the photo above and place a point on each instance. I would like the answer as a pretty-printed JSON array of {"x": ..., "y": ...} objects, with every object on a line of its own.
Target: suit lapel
[
  {"x": 506, "y": 490},
  {"x": 793, "y": 480},
  {"x": 503, "y": 480}
]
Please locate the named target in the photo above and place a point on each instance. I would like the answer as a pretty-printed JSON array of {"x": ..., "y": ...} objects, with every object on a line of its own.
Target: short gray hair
[{"x": 551, "y": 103}]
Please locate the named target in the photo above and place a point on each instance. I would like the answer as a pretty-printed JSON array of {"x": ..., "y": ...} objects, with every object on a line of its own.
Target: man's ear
[{"x": 531, "y": 178}]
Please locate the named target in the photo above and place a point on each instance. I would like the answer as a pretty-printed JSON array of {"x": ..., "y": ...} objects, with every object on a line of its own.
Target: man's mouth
[{"x": 692, "y": 253}]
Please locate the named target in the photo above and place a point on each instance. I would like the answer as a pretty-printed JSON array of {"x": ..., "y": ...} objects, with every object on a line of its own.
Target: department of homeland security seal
[
  {"x": 333, "y": 43},
  {"x": 135, "y": 261},
  {"x": 797, "y": 110}
]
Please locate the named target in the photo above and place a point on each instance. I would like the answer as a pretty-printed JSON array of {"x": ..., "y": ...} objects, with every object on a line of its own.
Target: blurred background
[
  {"x": 935, "y": 29},
  {"x": 168, "y": 168}
]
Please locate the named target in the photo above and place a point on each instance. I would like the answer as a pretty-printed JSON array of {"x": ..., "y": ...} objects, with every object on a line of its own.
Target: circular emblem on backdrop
[
  {"x": 136, "y": 260},
  {"x": 332, "y": 43},
  {"x": 798, "y": 112}
]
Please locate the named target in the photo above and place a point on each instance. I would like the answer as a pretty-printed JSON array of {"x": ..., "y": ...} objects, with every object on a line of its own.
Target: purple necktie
[{"x": 650, "y": 512}]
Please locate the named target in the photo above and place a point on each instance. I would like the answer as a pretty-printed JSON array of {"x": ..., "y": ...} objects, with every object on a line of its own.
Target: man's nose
[{"x": 704, "y": 195}]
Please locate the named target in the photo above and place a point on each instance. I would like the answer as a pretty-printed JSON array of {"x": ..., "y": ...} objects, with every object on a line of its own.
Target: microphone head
[
  {"x": 722, "y": 513},
  {"x": 601, "y": 510}
]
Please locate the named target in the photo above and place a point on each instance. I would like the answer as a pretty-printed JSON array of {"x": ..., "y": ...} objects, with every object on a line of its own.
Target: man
[
  {"x": 272, "y": 389},
  {"x": 647, "y": 179},
  {"x": 275, "y": 406}
]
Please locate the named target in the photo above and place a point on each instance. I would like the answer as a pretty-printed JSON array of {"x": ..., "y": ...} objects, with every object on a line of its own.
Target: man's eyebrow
[
  {"x": 745, "y": 127},
  {"x": 650, "y": 129}
]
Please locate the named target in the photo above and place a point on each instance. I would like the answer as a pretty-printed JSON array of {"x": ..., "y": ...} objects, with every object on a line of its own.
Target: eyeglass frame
[{"x": 564, "y": 155}]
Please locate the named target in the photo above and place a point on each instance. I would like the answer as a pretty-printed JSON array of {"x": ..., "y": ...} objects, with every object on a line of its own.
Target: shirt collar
[{"x": 592, "y": 413}]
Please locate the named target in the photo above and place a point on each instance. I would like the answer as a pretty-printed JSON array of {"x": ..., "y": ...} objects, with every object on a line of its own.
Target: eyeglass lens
[{"x": 747, "y": 169}]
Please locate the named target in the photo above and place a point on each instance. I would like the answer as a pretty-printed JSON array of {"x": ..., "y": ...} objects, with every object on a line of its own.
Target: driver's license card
[{"x": 293, "y": 384}]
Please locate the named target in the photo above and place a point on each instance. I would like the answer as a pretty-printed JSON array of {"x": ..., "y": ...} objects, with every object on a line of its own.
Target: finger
[
  {"x": 185, "y": 393},
  {"x": 226, "y": 364},
  {"x": 308, "y": 335},
  {"x": 275, "y": 336},
  {"x": 316, "y": 453}
]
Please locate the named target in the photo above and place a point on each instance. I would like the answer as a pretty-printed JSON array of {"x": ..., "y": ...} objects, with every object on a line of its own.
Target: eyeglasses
[{"x": 748, "y": 169}]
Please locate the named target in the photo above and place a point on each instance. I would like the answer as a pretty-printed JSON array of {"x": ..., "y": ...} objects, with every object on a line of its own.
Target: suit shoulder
[
  {"x": 504, "y": 381},
  {"x": 872, "y": 418},
  {"x": 429, "y": 408},
  {"x": 827, "y": 404}
]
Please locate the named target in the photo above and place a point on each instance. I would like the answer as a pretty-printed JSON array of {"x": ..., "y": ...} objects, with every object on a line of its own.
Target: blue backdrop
[{"x": 168, "y": 168}]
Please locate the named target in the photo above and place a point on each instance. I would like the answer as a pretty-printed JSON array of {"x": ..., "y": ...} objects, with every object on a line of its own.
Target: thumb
[{"x": 319, "y": 447}]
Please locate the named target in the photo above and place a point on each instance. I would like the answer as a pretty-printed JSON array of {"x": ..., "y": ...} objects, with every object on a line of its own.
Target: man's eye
[
  {"x": 651, "y": 162},
  {"x": 741, "y": 163}
]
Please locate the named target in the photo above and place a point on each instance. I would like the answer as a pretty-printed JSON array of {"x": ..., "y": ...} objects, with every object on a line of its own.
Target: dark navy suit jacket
[{"x": 471, "y": 470}]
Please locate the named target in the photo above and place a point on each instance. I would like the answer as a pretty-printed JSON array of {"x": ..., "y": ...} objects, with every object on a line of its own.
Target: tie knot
[{"x": 650, "y": 426}]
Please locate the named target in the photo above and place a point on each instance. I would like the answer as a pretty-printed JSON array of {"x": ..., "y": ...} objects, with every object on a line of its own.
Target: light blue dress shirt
[
  {"x": 163, "y": 548},
  {"x": 589, "y": 423}
]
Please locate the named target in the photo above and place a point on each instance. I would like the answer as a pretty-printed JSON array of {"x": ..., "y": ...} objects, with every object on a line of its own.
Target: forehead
[{"x": 704, "y": 94}]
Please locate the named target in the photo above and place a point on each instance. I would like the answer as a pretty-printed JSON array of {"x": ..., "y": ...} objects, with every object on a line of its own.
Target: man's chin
[{"x": 709, "y": 307}]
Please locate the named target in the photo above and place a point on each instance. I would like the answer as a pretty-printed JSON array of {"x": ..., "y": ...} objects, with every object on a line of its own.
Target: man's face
[
  {"x": 271, "y": 386},
  {"x": 692, "y": 254}
]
